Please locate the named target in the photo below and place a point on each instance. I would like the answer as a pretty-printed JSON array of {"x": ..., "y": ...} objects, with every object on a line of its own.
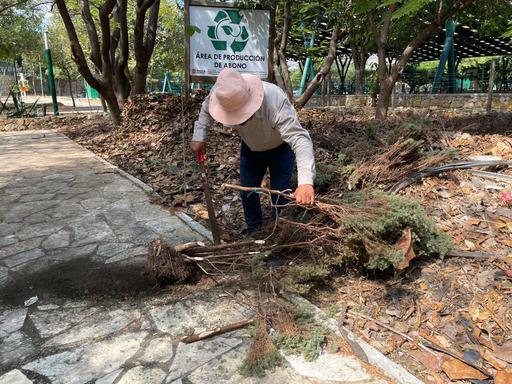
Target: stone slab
[
  {"x": 143, "y": 375},
  {"x": 11, "y": 320},
  {"x": 99, "y": 325},
  {"x": 19, "y": 247},
  {"x": 90, "y": 362},
  {"x": 23, "y": 257},
  {"x": 198, "y": 312},
  {"x": 110, "y": 378},
  {"x": 159, "y": 350},
  {"x": 15, "y": 348},
  {"x": 51, "y": 322},
  {"x": 225, "y": 369},
  {"x": 14, "y": 377},
  {"x": 191, "y": 356},
  {"x": 331, "y": 367}
]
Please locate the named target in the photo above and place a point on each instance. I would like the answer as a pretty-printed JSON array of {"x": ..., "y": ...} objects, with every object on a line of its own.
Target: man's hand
[
  {"x": 305, "y": 194},
  {"x": 198, "y": 146}
]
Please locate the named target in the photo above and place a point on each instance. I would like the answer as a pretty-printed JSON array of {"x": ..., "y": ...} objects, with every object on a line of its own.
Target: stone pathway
[
  {"x": 59, "y": 203},
  {"x": 74, "y": 233},
  {"x": 137, "y": 342}
]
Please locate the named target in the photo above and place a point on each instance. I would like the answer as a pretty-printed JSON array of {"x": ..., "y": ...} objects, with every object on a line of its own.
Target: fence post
[{"x": 491, "y": 86}]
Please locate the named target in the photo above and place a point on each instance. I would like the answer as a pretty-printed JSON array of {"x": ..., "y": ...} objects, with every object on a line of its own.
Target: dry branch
[{"x": 216, "y": 331}]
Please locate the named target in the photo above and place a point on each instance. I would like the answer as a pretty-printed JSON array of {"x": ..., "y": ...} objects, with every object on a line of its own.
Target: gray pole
[{"x": 41, "y": 77}]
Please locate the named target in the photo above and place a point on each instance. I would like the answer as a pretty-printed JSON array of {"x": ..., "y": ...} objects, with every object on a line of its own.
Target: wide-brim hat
[{"x": 235, "y": 97}]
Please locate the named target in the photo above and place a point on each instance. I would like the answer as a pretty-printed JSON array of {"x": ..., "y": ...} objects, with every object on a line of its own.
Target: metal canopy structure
[{"x": 468, "y": 44}]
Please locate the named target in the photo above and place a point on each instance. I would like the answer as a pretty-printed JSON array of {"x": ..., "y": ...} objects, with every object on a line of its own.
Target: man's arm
[
  {"x": 292, "y": 132},
  {"x": 201, "y": 126}
]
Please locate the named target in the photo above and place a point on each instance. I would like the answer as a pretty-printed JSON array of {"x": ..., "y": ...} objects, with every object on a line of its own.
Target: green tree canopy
[{"x": 21, "y": 27}]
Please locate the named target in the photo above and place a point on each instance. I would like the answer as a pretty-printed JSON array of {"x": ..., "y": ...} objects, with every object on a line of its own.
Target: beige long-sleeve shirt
[{"x": 274, "y": 123}]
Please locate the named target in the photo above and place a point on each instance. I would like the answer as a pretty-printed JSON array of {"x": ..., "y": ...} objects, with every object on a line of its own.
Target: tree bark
[
  {"x": 144, "y": 41},
  {"x": 104, "y": 83},
  {"x": 359, "y": 57},
  {"x": 70, "y": 84},
  {"x": 283, "y": 65},
  {"x": 277, "y": 69},
  {"x": 113, "y": 106},
  {"x": 320, "y": 76},
  {"x": 92, "y": 33},
  {"x": 122, "y": 84}
]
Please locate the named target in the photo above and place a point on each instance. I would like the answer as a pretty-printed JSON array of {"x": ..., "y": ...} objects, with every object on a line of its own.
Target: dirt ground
[{"x": 461, "y": 304}]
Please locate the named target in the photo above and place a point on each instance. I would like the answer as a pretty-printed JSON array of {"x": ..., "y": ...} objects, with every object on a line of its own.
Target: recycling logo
[{"x": 228, "y": 30}]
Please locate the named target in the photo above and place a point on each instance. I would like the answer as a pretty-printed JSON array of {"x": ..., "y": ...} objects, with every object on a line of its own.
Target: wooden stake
[{"x": 491, "y": 86}]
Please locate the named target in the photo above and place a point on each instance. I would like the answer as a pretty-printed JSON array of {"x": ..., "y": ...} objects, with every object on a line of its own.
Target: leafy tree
[
  {"x": 169, "y": 50},
  {"x": 109, "y": 33},
  {"x": 388, "y": 16},
  {"x": 65, "y": 67},
  {"x": 21, "y": 26},
  {"x": 395, "y": 28}
]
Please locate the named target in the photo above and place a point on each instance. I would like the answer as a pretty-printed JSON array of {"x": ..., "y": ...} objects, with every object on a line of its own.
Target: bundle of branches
[
  {"x": 181, "y": 262},
  {"x": 397, "y": 162},
  {"x": 292, "y": 327},
  {"x": 376, "y": 230}
]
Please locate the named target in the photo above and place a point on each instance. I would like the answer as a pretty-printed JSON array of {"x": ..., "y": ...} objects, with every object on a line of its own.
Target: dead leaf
[
  {"x": 429, "y": 361},
  {"x": 503, "y": 377},
  {"x": 404, "y": 244},
  {"x": 443, "y": 341},
  {"x": 182, "y": 199},
  {"x": 477, "y": 313},
  {"x": 507, "y": 242},
  {"x": 470, "y": 245},
  {"x": 457, "y": 370},
  {"x": 504, "y": 352},
  {"x": 491, "y": 359}
]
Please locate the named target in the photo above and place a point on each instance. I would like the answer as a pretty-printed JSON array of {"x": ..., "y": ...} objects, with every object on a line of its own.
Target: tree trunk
[
  {"x": 359, "y": 56},
  {"x": 283, "y": 65},
  {"x": 122, "y": 84},
  {"x": 103, "y": 104},
  {"x": 384, "y": 100},
  {"x": 387, "y": 79},
  {"x": 70, "y": 84},
  {"x": 277, "y": 70},
  {"x": 143, "y": 47},
  {"x": 113, "y": 106},
  {"x": 326, "y": 67},
  {"x": 141, "y": 73},
  {"x": 102, "y": 61}
]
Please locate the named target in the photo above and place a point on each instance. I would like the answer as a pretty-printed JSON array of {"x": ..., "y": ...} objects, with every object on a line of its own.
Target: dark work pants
[{"x": 253, "y": 166}]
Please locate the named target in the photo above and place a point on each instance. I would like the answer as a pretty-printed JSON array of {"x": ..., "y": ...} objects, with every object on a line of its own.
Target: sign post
[
  {"x": 51, "y": 78},
  {"x": 222, "y": 35}
]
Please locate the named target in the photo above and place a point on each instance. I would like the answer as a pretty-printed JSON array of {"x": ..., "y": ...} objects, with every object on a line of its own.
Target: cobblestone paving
[
  {"x": 72, "y": 230},
  {"x": 58, "y": 202}
]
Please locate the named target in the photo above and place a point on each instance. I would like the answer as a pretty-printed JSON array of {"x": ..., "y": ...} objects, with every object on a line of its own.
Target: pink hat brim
[{"x": 243, "y": 114}]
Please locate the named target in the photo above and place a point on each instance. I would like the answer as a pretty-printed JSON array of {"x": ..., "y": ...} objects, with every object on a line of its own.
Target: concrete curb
[{"x": 375, "y": 357}]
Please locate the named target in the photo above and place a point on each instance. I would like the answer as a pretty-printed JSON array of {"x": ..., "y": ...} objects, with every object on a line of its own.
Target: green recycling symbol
[{"x": 228, "y": 21}]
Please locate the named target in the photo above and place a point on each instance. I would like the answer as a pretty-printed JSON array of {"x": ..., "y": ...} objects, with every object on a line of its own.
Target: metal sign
[{"x": 222, "y": 36}]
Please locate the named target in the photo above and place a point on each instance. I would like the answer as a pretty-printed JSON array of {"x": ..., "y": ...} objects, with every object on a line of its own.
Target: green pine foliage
[{"x": 372, "y": 239}]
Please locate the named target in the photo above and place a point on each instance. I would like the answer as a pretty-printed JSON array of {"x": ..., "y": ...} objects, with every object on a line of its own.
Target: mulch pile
[{"x": 462, "y": 305}]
